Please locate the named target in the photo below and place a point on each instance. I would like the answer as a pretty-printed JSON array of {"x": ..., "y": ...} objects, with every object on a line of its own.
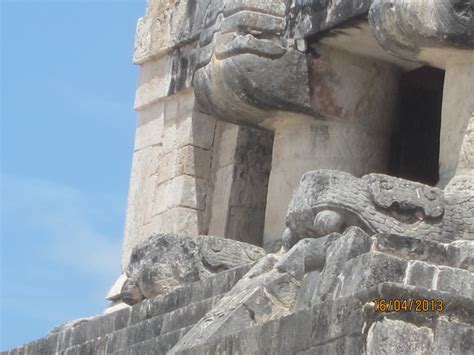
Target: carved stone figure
[
  {"x": 165, "y": 262},
  {"x": 330, "y": 201},
  {"x": 241, "y": 44}
]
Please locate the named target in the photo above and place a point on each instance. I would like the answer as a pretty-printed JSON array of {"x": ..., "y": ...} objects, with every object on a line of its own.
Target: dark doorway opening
[{"x": 415, "y": 141}]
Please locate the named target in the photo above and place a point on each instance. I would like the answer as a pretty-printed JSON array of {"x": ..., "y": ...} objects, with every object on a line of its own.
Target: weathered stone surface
[
  {"x": 316, "y": 298},
  {"x": 262, "y": 295},
  {"x": 465, "y": 255},
  {"x": 458, "y": 282},
  {"x": 164, "y": 28},
  {"x": 240, "y": 170},
  {"x": 158, "y": 320},
  {"x": 406, "y": 28},
  {"x": 354, "y": 135},
  {"x": 70, "y": 324},
  {"x": 347, "y": 266},
  {"x": 316, "y": 272},
  {"x": 457, "y": 112},
  {"x": 222, "y": 89},
  {"x": 340, "y": 265},
  {"x": 321, "y": 270},
  {"x": 170, "y": 171},
  {"x": 153, "y": 83},
  {"x": 416, "y": 249},
  {"x": 223, "y": 43},
  {"x": 466, "y": 157},
  {"x": 453, "y": 337},
  {"x": 115, "y": 306},
  {"x": 293, "y": 262},
  {"x": 241, "y": 43},
  {"x": 349, "y": 325},
  {"x": 398, "y": 337},
  {"x": 116, "y": 289},
  {"x": 380, "y": 204},
  {"x": 164, "y": 262},
  {"x": 349, "y": 241}
]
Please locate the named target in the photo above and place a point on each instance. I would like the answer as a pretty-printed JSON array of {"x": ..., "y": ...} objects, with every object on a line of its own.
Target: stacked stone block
[
  {"x": 190, "y": 174},
  {"x": 332, "y": 295},
  {"x": 150, "y": 327}
]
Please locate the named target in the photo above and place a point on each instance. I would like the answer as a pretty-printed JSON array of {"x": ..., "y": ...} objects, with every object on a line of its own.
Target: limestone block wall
[
  {"x": 170, "y": 169},
  {"x": 190, "y": 173},
  {"x": 173, "y": 142}
]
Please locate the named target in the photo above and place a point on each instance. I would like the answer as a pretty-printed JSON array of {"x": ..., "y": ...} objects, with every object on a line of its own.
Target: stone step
[
  {"x": 103, "y": 325},
  {"x": 145, "y": 330},
  {"x": 156, "y": 346},
  {"x": 341, "y": 265},
  {"x": 351, "y": 325},
  {"x": 211, "y": 287}
]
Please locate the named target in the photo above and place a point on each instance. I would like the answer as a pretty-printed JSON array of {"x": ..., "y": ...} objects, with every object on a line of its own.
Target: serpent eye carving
[
  {"x": 386, "y": 185},
  {"x": 217, "y": 245},
  {"x": 404, "y": 200},
  {"x": 327, "y": 222}
]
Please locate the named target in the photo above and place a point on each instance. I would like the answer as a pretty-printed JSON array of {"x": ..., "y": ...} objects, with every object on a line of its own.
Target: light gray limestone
[
  {"x": 323, "y": 76},
  {"x": 398, "y": 337},
  {"x": 381, "y": 204},
  {"x": 165, "y": 262}
]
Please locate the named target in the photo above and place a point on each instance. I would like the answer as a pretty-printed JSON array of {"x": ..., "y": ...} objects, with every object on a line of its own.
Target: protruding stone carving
[
  {"x": 330, "y": 201},
  {"x": 242, "y": 47},
  {"x": 166, "y": 261},
  {"x": 406, "y": 28}
]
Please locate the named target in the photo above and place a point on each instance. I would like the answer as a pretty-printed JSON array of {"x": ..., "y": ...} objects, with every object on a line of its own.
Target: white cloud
[{"x": 62, "y": 215}]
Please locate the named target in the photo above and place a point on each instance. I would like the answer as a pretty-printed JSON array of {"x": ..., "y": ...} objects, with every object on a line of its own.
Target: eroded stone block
[
  {"x": 165, "y": 261},
  {"x": 452, "y": 337},
  {"x": 150, "y": 130},
  {"x": 154, "y": 82},
  {"x": 398, "y": 337}
]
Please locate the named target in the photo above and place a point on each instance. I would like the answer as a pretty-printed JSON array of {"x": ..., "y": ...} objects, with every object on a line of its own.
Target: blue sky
[{"x": 67, "y": 133}]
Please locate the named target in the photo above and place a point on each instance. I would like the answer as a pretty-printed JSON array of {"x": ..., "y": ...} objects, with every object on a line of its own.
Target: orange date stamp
[{"x": 408, "y": 305}]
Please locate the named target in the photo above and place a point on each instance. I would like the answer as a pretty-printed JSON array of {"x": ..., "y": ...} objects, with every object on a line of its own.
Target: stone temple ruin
[{"x": 302, "y": 183}]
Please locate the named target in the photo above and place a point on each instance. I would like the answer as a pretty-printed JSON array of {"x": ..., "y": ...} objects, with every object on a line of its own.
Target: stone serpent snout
[{"x": 329, "y": 201}]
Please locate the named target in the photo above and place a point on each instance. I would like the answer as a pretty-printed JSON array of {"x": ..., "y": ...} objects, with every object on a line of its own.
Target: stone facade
[
  {"x": 271, "y": 123},
  {"x": 207, "y": 77}
]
